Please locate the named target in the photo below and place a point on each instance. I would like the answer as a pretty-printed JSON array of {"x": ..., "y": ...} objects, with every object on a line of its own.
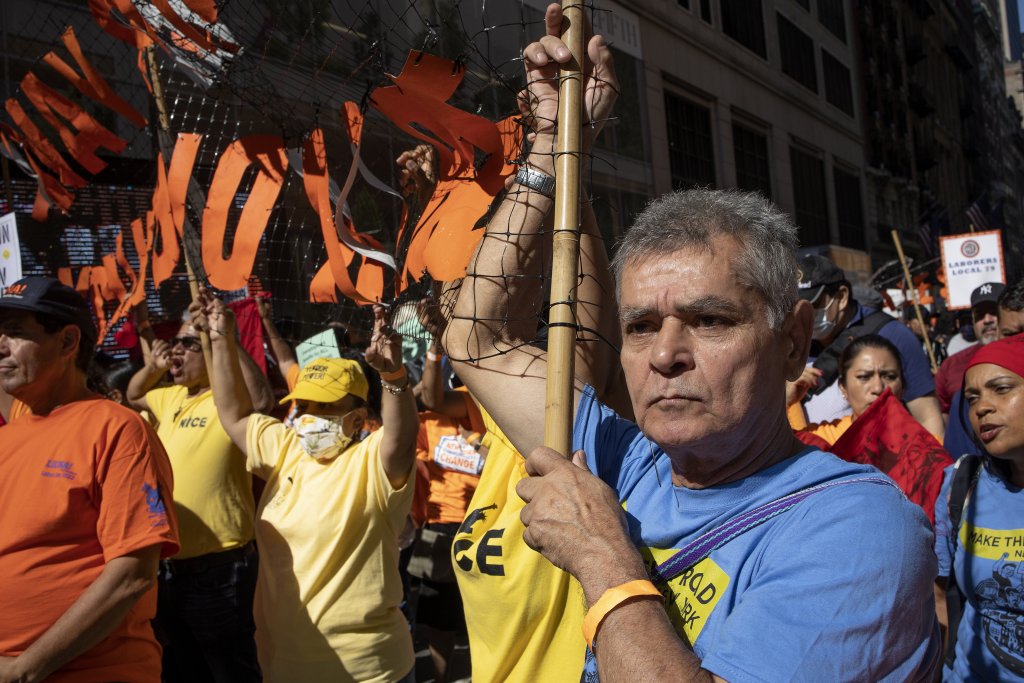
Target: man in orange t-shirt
[{"x": 84, "y": 487}]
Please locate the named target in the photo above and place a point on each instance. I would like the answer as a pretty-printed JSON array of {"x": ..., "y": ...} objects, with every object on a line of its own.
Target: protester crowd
[{"x": 758, "y": 488}]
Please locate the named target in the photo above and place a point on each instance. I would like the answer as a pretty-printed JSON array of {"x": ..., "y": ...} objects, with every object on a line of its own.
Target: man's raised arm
[{"x": 494, "y": 317}]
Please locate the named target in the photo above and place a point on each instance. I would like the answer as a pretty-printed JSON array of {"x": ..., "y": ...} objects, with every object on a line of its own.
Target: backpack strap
[
  {"x": 706, "y": 543},
  {"x": 965, "y": 476},
  {"x": 828, "y": 360}
]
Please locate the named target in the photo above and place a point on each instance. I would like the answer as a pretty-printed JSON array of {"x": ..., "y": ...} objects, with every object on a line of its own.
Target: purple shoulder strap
[{"x": 710, "y": 541}]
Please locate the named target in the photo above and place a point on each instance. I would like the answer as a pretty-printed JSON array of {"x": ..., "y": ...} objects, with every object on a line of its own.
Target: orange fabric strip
[
  {"x": 206, "y": 10},
  {"x": 139, "y": 34},
  {"x": 41, "y": 147},
  {"x": 48, "y": 189},
  {"x": 40, "y": 208},
  {"x": 201, "y": 38},
  {"x": 91, "y": 133},
  {"x": 92, "y": 85},
  {"x": 268, "y": 152}
]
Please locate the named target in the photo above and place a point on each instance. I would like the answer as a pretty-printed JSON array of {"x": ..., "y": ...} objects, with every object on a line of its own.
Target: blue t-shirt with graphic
[
  {"x": 839, "y": 588},
  {"x": 989, "y": 568}
]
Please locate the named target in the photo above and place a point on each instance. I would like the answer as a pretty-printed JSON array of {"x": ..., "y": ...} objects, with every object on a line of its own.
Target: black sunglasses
[{"x": 190, "y": 343}]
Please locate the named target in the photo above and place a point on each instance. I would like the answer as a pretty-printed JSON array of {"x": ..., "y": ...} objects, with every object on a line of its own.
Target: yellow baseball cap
[{"x": 326, "y": 380}]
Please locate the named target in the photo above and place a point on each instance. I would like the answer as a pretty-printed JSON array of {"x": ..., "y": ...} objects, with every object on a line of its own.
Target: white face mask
[
  {"x": 322, "y": 436},
  {"x": 823, "y": 327}
]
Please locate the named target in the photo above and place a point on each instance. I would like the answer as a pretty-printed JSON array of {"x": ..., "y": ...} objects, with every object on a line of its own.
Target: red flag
[
  {"x": 250, "y": 330},
  {"x": 888, "y": 437}
]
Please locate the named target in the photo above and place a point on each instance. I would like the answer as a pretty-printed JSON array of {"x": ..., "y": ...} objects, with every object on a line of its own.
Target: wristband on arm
[{"x": 613, "y": 598}]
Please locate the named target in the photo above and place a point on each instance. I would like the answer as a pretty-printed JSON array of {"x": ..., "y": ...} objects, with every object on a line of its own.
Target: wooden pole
[
  {"x": 166, "y": 148},
  {"x": 566, "y": 238},
  {"x": 917, "y": 303}
]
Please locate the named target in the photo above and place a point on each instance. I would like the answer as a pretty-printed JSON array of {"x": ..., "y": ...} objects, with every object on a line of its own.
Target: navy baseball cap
[
  {"x": 50, "y": 297},
  {"x": 816, "y": 274},
  {"x": 988, "y": 292}
]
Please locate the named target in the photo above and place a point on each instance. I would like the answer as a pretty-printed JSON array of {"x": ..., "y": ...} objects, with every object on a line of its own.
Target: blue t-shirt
[
  {"x": 917, "y": 375},
  {"x": 839, "y": 588},
  {"x": 989, "y": 568},
  {"x": 958, "y": 440}
]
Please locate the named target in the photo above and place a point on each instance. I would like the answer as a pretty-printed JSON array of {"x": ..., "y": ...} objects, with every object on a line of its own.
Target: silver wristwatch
[{"x": 536, "y": 181}]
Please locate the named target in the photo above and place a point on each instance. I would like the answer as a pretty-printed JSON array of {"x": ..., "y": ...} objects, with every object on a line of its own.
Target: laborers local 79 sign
[{"x": 971, "y": 260}]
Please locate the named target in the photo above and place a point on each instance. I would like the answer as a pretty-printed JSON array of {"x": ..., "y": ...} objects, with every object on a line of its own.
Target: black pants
[{"x": 204, "y": 618}]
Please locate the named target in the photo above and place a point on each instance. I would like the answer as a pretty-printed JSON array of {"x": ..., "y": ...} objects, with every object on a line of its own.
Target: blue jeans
[{"x": 204, "y": 618}]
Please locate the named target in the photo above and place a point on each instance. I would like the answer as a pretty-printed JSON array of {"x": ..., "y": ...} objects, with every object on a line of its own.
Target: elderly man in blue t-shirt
[{"x": 711, "y": 545}]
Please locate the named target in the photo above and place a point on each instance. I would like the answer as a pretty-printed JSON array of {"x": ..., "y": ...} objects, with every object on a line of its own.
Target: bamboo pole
[
  {"x": 566, "y": 238},
  {"x": 167, "y": 149},
  {"x": 917, "y": 305}
]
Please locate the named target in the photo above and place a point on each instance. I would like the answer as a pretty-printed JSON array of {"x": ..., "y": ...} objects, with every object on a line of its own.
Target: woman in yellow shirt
[{"x": 868, "y": 366}]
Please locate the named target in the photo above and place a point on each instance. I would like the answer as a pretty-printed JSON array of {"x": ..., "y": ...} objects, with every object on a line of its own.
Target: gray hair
[{"x": 691, "y": 218}]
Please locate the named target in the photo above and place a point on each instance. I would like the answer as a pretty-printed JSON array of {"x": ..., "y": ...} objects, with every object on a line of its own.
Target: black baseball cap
[
  {"x": 988, "y": 292},
  {"x": 816, "y": 274},
  {"x": 50, "y": 297}
]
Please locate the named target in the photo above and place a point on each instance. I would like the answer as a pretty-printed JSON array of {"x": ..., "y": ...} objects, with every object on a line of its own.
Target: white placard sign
[
  {"x": 969, "y": 261},
  {"x": 10, "y": 251}
]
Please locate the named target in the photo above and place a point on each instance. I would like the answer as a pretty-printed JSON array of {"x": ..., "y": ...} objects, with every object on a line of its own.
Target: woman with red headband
[{"x": 979, "y": 524}]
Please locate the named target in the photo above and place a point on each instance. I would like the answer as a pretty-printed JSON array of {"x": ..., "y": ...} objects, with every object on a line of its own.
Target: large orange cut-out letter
[{"x": 268, "y": 152}]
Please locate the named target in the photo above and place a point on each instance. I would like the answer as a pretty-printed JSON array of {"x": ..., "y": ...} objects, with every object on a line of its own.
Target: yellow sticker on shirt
[
  {"x": 691, "y": 597},
  {"x": 993, "y": 544}
]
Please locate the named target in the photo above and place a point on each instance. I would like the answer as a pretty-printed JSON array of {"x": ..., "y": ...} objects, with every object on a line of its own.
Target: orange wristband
[
  {"x": 613, "y": 598},
  {"x": 392, "y": 376}
]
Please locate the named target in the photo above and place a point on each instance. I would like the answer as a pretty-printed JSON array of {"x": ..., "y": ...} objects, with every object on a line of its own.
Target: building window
[
  {"x": 806, "y": 4},
  {"x": 797, "y": 50},
  {"x": 838, "y": 87},
  {"x": 685, "y": 4},
  {"x": 849, "y": 212},
  {"x": 753, "y": 171},
  {"x": 690, "y": 147},
  {"x": 809, "y": 198},
  {"x": 705, "y": 11},
  {"x": 832, "y": 14},
  {"x": 743, "y": 21}
]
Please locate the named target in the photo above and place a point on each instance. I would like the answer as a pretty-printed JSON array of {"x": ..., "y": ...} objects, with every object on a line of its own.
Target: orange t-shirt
[
  {"x": 454, "y": 466},
  {"x": 81, "y": 486}
]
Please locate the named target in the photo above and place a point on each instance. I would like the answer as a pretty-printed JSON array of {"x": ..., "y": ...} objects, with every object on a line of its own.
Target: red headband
[{"x": 1007, "y": 353}]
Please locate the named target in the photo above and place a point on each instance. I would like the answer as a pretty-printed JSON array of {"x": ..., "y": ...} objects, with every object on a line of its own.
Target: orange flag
[{"x": 889, "y": 437}]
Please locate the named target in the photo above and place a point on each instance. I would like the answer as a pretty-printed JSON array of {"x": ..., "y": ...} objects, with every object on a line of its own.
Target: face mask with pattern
[{"x": 322, "y": 436}]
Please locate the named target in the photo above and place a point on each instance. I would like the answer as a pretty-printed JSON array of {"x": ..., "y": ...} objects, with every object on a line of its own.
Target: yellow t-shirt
[
  {"x": 328, "y": 590},
  {"x": 212, "y": 489},
  {"x": 524, "y": 616}
]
